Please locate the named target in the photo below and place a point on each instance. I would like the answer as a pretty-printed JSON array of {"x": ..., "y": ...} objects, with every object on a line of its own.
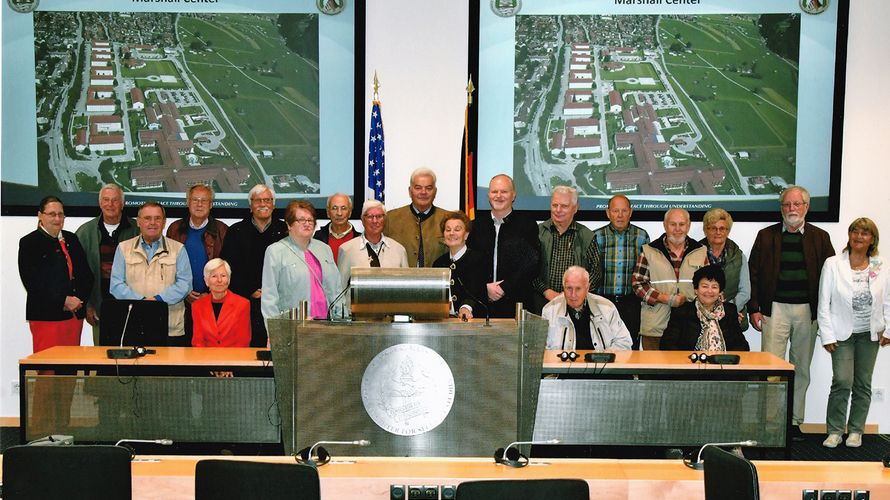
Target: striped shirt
[
  {"x": 792, "y": 286},
  {"x": 620, "y": 251}
]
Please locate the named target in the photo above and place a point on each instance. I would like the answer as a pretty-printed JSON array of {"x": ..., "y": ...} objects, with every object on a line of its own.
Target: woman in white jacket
[{"x": 854, "y": 310}]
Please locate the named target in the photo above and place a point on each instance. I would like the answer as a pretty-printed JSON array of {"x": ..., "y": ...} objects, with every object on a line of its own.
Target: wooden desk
[
  {"x": 660, "y": 398},
  {"x": 172, "y": 478},
  {"x": 92, "y": 357},
  {"x": 649, "y": 362},
  {"x": 170, "y": 394},
  {"x": 574, "y": 407}
]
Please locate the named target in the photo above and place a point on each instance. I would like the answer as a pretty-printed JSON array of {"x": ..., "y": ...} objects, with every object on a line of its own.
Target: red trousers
[
  {"x": 46, "y": 334},
  {"x": 50, "y": 411}
]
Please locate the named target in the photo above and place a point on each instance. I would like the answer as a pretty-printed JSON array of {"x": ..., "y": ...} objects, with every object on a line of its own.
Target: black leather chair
[
  {"x": 66, "y": 473},
  {"x": 237, "y": 480},
  {"x": 729, "y": 476},
  {"x": 531, "y": 489}
]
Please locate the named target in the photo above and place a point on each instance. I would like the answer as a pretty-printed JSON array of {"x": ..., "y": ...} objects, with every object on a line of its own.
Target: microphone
[
  {"x": 165, "y": 442},
  {"x": 322, "y": 457},
  {"x": 481, "y": 303},
  {"x": 126, "y": 320},
  {"x": 699, "y": 465},
  {"x": 336, "y": 299},
  {"x": 511, "y": 457},
  {"x": 123, "y": 353}
]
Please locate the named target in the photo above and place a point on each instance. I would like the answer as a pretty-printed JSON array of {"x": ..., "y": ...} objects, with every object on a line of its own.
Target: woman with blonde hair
[
  {"x": 722, "y": 251},
  {"x": 854, "y": 310}
]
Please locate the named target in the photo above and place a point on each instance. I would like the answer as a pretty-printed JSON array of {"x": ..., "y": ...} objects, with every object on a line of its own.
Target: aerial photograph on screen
[
  {"x": 157, "y": 102},
  {"x": 656, "y": 104}
]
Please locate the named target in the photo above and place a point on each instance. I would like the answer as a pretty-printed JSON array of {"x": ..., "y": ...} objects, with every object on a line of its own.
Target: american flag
[{"x": 376, "y": 154}]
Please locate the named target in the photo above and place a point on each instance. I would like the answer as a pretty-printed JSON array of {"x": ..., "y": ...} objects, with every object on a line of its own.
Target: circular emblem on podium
[{"x": 408, "y": 389}]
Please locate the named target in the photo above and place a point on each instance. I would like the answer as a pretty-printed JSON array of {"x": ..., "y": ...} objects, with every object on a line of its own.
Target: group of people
[{"x": 612, "y": 288}]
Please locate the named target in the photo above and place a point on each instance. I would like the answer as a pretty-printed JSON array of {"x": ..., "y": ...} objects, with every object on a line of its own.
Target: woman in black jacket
[
  {"x": 53, "y": 267},
  {"x": 708, "y": 323},
  {"x": 467, "y": 267},
  {"x": 54, "y": 270}
]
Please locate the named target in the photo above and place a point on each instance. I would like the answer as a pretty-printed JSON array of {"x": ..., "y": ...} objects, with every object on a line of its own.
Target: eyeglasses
[
  {"x": 200, "y": 201},
  {"x": 267, "y": 201},
  {"x": 304, "y": 221},
  {"x": 374, "y": 216},
  {"x": 53, "y": 215},
  {"x": 794, "y": 204}
]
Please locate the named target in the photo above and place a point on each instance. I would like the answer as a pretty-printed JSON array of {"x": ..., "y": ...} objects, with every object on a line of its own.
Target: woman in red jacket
[{"x": 221, "y": 318}]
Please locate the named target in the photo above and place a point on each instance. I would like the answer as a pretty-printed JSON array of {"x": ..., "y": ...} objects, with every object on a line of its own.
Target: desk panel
[
  {"x": 171, "y": 394},
  {"x": 660, "y": 398},
  {"x": 172, "y": 478}
]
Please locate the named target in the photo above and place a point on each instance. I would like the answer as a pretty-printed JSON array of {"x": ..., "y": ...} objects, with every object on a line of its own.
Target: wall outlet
[
  {"x": 14, "y": 388},
  {"x": 877, "y": 394}
]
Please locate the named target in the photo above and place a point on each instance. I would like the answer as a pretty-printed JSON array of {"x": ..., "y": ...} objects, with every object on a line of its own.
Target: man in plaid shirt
[
  {"x": 663, "y": 275},
  {"x": 564, "y": 243},
  {"x": 621, "y": 243}
]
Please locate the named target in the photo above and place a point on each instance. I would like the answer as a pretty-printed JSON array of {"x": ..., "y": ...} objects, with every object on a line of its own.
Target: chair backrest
[
  {"x": 66, "y": 473},
  {"x": 237, "y": 479},
  {"x": 530, "y": 489},
  {"x": 729, "y": 476}
]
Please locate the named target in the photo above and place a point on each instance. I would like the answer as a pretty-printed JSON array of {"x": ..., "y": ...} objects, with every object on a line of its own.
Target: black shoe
[{"x": 797, "y": 435}]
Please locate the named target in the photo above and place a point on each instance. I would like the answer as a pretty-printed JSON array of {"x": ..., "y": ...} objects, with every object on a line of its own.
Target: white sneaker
[
  {"x": 832, "y": 441},
  {"x": 854, "y": 440}
]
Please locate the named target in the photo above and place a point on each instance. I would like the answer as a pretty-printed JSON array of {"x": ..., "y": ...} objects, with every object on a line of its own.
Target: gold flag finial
[
  {"x": 470, "y": 90},
  {"x": 376, "y": 84}
]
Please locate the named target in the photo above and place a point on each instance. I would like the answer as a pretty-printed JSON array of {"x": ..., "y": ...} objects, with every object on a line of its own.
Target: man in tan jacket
[
  {"x": 153, "y": 267},
  {"x": 663, "y": 275}
]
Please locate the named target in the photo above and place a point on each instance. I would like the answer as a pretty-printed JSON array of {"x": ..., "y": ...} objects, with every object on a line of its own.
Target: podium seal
[{"x": 408, "y": 389}]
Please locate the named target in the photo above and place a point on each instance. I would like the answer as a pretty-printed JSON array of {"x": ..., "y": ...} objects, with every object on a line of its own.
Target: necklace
[{"x": 859, "y": 267}]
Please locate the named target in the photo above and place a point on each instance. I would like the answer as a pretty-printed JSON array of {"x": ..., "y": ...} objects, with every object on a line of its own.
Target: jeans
[{"x": 852, "y": 364}]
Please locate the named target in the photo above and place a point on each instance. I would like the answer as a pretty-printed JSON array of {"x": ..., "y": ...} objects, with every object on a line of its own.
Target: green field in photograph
[{"x": 268, "y": 93}]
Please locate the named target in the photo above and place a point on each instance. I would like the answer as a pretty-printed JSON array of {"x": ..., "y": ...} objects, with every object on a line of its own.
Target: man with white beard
[
  {"x": 245, "y": 248},
  {"x": 663, "y": 275},
  {"x": 785, "y": 265}
]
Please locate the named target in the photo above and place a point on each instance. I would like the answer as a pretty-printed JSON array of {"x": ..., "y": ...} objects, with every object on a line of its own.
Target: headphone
[
  {"x": 321, "y": 456},
  {"x": 512, "y": 458},
  {"x": 698, "y": 357},
  {"x": 569, "y": 356}
]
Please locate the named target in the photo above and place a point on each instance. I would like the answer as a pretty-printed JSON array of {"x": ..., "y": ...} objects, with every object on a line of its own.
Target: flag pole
[
  {"x": 468, "y": 173},
  {"x": 376, "y": 153}
]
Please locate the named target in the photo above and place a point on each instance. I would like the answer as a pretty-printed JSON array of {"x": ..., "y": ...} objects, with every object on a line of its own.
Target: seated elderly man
[{"x": 580, "y": 320}]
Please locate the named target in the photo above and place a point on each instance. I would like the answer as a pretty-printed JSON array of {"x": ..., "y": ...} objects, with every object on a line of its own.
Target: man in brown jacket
[
  {"x": 785, "y": 265},
  {"x": 416, "y": 225}
]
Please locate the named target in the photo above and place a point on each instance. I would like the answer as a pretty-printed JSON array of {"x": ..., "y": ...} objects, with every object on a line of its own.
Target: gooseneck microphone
[
  {"x": 165, "y": 442},
  {"x": 122, "y": 444},
  {"x": 336, "y": 299},
  {"x": 307, "y": 455},
  {"x": 123, "y": 353},
  {"x": 699, "y": 465},
  {"x": 483, "y": 304},
  {"x": 511, "y": 457},
  {"x": 126, "y": 320}
]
